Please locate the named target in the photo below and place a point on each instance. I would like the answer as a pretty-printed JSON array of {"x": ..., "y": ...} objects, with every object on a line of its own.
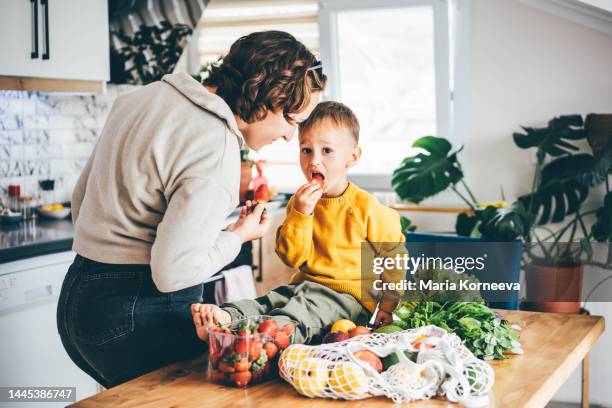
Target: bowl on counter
[
  {"x": 56, "y": 211},
  {"x": 10, "y": 217}
]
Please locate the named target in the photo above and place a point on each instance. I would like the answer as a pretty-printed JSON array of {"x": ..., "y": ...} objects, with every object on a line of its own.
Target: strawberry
[
  {"x": 268, "y": 328},
  {"x": 262, "y": 194},
  {"x": 271, "y": 349},
  {"x": 255, "y": 350},
  {"x": 282, "y": 340},
  {"x": 288, "y": 328},
  {"x": 242, "y": 345},
  {"x": 242, "y": 365},
  {"x": 226, "y": 368},
  {"x": 243, "y": 378}
]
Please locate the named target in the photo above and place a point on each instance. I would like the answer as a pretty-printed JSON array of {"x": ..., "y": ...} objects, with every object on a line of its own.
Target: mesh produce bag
[{"x": 444, "y": 367}]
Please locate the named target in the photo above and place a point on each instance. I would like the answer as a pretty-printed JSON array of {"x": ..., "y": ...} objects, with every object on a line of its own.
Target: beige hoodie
[{"x": 160, "y": 183}]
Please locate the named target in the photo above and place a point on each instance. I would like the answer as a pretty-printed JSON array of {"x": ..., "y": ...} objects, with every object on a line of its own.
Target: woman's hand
[
  {"x": 251, "y": 224},
  {"x": 306, "y": 197}
]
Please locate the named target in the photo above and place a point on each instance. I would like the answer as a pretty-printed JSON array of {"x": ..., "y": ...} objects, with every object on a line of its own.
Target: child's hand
[
  {"x": 382, "y": 318},
  {"x": 306, "y": 197}
]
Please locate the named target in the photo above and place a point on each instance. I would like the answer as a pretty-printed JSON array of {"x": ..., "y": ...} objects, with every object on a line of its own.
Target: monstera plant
[
  {"x": 434, "y": 169},
  {"x": 560, "y": 185},
  {"x": 565, "y": 174}
]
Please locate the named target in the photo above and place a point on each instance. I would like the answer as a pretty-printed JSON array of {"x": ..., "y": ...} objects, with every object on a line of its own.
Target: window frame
[{"x": 328, "y": 47}]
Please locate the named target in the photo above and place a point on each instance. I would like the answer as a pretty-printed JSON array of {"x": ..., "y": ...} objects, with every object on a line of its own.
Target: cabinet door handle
[
  {"x": 46, "y": 55},
  {"x": 34, "y": 53}
]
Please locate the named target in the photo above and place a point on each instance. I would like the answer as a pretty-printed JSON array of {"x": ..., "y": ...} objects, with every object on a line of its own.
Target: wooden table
[{"x": 554, "y": 345}]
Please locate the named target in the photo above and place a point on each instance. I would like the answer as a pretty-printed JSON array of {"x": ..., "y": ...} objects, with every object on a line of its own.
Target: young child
[{"x": 327, "y": 221}]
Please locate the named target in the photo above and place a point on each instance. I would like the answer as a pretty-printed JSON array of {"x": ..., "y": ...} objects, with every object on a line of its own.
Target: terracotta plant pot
[
  {"x": 555, "y": 289},
  {"x": 246, "y": 174}
]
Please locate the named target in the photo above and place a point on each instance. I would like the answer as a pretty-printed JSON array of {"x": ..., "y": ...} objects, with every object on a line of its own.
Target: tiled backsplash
[{"x": 49, "y": 135}]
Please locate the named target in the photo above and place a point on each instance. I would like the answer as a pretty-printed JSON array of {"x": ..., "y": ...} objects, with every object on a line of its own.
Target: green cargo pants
[{"x": 314, "y": 306}]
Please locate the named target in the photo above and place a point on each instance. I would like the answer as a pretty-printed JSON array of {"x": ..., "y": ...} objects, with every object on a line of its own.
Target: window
[{"x": 389, "y": 61}]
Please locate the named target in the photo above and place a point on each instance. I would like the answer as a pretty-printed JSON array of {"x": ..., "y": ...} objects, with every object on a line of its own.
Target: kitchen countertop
[
  {"x": 31, "y": 238},
  {"x": 43, "y": 236},
  {"x": 554, "y": 346}
]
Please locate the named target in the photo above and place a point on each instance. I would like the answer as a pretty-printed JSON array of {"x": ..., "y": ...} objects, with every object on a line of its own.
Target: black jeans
[{"x": 115, "y": 325}]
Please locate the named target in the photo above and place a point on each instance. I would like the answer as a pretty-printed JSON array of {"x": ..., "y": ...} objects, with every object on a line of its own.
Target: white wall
[{"x": 526, "y": 67}]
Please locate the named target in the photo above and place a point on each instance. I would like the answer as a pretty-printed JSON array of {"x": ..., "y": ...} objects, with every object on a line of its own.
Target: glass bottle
[{"x": 14, "y": 192}]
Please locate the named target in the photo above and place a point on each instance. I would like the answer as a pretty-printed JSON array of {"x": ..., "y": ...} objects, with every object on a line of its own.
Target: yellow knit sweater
[{"x": 326, "y": 246}]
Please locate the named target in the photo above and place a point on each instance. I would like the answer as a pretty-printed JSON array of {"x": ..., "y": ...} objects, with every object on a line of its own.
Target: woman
[{"x": 150, "y": 205}]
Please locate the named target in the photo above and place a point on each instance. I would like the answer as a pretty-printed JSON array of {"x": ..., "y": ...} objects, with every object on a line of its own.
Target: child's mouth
[{"x": 318, "y": 177}]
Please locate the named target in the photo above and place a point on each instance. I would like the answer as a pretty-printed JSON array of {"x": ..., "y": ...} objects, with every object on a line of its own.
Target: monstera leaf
[
  {"x": 497, "y": 224},
  {"x": 553, "y": 139},
  {"x": 598, "y": 130},
  {"x": 597, "y": 170},
  {"x": 428, "y": 172},
  {"x": 560, "y": 191},
  {"x": 466, "y": 224},
  {"x": 505, "y": 224},
  {"x": 602, "y": 229}
]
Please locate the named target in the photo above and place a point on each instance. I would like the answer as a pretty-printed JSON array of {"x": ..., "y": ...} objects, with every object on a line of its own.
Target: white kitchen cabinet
[
  {"x": 32, "y": 354},
  {"x": 74, "y": 45}
]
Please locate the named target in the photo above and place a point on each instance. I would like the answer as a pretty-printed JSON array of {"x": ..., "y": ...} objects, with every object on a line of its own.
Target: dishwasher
[{"x": 31, "y": 352}]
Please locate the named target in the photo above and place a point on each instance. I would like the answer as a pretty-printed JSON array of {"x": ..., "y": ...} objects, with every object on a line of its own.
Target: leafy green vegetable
[{"x": 482, "y": 332}]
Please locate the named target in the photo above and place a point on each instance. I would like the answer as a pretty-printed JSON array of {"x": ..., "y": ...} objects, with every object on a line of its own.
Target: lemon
[
  {"x": 310, "y": 377},
  {"x": 343, "y": 326},
  {"x": 348, "y": 380},
  {"x": 496, "y": 204},
  {"x": 291, "y": 357}
]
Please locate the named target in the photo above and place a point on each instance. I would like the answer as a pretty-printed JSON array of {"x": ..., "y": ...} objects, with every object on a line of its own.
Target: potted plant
[{"x": 563, "y": 178}]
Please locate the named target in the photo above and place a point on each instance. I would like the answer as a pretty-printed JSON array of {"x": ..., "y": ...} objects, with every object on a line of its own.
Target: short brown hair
[
  {"x": 337, "y": 113},
  {"x": 267, "y": 70}
]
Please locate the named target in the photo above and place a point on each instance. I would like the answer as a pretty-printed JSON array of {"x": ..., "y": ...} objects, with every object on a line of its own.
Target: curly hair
[{"x": 263, "y": 71}]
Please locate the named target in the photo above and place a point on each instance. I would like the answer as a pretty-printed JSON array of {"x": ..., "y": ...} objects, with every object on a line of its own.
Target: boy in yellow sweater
[{"x": 330, "y": 228}]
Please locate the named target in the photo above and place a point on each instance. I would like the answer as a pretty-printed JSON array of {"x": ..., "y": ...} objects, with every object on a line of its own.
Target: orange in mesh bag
[{"x": 444, "y": 367}]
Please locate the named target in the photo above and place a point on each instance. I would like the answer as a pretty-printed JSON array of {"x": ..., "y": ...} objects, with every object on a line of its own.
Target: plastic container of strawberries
[{"x": 246, "y": 352}]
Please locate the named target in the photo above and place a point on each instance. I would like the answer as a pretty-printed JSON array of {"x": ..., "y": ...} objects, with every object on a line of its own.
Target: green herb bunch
[{"x": 483, "y": 333}]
